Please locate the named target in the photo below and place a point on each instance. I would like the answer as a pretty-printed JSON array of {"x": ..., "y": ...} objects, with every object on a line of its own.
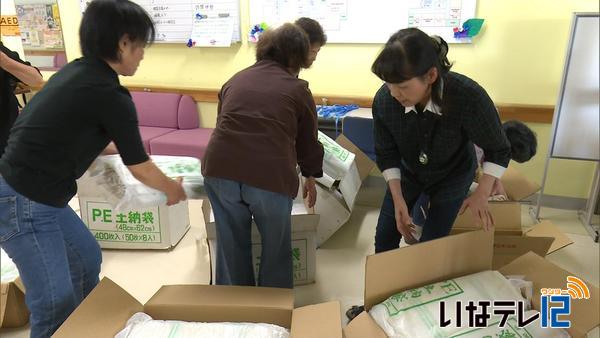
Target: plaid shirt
[{"x": 468, "y": 116}]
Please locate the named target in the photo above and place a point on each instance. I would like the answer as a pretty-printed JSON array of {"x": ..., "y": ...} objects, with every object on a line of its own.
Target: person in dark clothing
[
  {"x": 12, "y": 71},
  {"x": 426, "y": 119},
  {"x": 266, "y": 126},
  {"x": 316, "y": 37},
  {"x": 54, "y": 140}
]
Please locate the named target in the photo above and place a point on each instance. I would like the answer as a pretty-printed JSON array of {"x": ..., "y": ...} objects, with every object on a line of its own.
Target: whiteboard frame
[
  {"x": 586, "y": 217},
  {"x": 558, "y": 106}
]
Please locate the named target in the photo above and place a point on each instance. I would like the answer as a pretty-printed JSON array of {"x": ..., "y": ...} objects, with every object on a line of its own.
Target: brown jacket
[{"x": 266, "y": 124}]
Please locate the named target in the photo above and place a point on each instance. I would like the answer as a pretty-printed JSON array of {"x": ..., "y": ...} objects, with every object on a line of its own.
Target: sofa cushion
[
  {"x": 188, "y": 142},
  {"x": 149, "y": 133},
  {"x": 157, "y": 109},
  {"x": 187, "y": 116}
]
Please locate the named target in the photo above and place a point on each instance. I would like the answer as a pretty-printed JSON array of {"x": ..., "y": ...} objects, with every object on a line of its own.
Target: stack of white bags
[
  {"x": 140, "y": 325},
  {"x": 118, "y": 186},
  {"x": 404, "y": 315}
]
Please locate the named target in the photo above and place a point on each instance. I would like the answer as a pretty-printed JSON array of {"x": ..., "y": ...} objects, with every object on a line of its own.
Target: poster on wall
[
  {"x": 40, "y": 26},
  {"x": 196, "y": 23}
]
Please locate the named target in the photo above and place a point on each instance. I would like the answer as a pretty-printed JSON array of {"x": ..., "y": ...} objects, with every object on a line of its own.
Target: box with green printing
[{"x": 156, "y": 227}]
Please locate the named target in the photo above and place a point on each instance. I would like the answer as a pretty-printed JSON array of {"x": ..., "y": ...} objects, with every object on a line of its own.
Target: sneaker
[{"x": 354, "y": 311}]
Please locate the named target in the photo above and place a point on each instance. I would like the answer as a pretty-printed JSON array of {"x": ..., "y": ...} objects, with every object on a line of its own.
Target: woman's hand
[
  {"x": 404, "y": 222},
  {"x": 175, "y": 192},
  {"x": 478, "y": 204},
  {"x": 309, "y": 190},
  {"x": 401, "y": 212},
  {"x": 498, "y": 189}
]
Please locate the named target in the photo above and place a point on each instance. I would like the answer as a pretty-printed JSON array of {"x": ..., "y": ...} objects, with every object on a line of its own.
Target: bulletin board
[
  {"x": 360, "y": 21},
  {"x": 174, "y": 19},
  {"x": 40, "y": 26}
]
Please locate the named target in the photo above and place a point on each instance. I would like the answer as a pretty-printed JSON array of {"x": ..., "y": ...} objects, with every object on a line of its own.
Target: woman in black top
[
  {"x": 426, "y": 120},
  {"x": 54, "y": 140},
  {"x": 12, "y": 71}
]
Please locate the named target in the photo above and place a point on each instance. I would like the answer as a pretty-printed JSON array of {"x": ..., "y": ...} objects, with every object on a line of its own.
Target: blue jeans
[
  {"x": 57, "y": 257},
  {"x": 235, "y": 205},
  {"x": 445, "y": 201}
]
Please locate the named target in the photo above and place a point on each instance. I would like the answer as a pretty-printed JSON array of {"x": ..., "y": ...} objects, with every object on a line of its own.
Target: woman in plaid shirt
[{"x": 426, "y": 120}]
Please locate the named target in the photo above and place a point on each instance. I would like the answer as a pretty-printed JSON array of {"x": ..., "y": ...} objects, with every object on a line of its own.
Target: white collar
[{"x": 430, "y": 106}]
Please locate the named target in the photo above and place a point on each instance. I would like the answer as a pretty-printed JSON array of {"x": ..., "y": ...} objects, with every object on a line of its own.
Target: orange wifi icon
[{"x": 577, "y": 288}]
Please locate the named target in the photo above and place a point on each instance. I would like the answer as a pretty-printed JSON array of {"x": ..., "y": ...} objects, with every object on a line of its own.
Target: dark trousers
[{"x": 445, "y": 200}]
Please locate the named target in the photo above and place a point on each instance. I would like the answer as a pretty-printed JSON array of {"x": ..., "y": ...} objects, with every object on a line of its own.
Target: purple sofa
[{"x": 170, "y": 125}]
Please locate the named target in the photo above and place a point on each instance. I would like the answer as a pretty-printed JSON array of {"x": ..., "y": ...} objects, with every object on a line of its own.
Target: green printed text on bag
[{"x": 407, "y": 300}]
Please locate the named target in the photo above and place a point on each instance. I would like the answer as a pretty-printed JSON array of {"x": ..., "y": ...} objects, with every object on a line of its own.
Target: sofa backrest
[
  {"x": 166, "y": 110},
  {"x": 187, "y": 113}
]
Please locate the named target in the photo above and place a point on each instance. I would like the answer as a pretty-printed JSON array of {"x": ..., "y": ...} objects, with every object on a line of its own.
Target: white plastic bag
[
  {"x": 140, "y": 325},
  {"x": 512, "y": 329},
  {"x": 8, "y": 269},
  {"x": 336, "y": 161},
  {"x": 416, "y": 313},
  {"x": 117, "y": 185}
]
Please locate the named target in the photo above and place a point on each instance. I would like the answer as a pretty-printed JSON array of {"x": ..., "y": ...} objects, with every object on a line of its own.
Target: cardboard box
[
  {"x": 13, "y": 310},
  {"x": 108, "y": 307},
  {"x": 158, "y": 227},
  {"x": 456, "y": 256},
  {"x": 304, "y": 245},
  {"x": 543, "y": 238},
  {"x": 506, "y": 214},
  {"x": 335, "y": 205}
]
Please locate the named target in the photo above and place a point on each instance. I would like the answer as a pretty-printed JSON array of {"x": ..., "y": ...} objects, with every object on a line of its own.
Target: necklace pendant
[{"x": 423, "y": 158}]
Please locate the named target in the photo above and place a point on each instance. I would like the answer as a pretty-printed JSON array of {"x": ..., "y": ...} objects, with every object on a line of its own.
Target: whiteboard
[
  {"x": 173, "y": 19},
  {"x": 373, "y": 21},
  {"x": 577, "y": 113}
]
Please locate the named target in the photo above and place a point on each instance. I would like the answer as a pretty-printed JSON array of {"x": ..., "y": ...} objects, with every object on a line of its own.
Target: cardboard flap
[
  {"x": 13, "y": 311},
  {"x": 547, "y": 229},
  {"x": 218, "y": 303},
  {"x": 508, "y": 248},
  {"x": 416, "y": 265},
  {"x": 363, "y": 162},
  {"x": 3, "y": 301},
  {"x": 327, "y": 315},
  {"x": 103, "y": 313},
  {"x": 517, "y": 186},
  {"x": 19, "y": 283},
  {"x": 206, "y": 211},
  {"x": 363, "y": 326},
  {"x": 584, "y": 312},
  {"x": 507, "y": 218}
]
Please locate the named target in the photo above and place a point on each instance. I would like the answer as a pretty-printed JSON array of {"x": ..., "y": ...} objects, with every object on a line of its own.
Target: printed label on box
[
  {"x": 129, "y": 225},
  {"x": 299, "y": 251}
]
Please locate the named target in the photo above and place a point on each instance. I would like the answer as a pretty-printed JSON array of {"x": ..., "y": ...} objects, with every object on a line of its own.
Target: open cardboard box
[
  {"x": 543, "y": 238},
  {"x": 108, "y": 307},
  {"x": 155, "y": 227},
  {"x": 511, "y": 240},
  {"x": 13, "y": 310},
  {"x": 335, "y": 206},
  {"x": 417, "y": 265},
  {"x": 304, "y": 246},
  {"x": 507, "y": 214}
]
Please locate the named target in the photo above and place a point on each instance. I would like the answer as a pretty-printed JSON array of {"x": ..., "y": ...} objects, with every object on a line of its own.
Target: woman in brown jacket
[{"x": 266, "y": 126}]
